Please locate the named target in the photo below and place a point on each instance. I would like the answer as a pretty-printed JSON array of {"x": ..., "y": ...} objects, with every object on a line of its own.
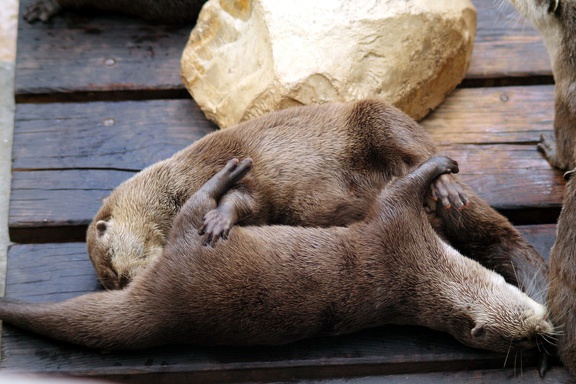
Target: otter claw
[{"x": 449, "y": 192}]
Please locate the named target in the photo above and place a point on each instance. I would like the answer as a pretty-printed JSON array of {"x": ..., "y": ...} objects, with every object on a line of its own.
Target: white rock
[{"x": 248, "y": 57}]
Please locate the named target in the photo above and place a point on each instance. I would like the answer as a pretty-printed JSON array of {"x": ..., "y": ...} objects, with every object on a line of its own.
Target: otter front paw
[
  {"x": 42, "y": 10},
  {"x": 547, "y": 146},
  {"x": 450, "y": 194},
  {"x": 217, "y": 224}
]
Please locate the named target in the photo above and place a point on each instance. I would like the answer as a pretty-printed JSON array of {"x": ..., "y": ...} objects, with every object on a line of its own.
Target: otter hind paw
[
  {"x": 217, "y": 224},
  {"x": 450, "y": 194},
  {"x": 42, "y": 10}
]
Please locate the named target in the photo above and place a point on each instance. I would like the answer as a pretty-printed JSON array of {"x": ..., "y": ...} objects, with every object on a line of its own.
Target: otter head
[
  {"x": 127, "y": 234},
  {"x": 555, "y": 20},
  {"x": 503, "y": 318}
]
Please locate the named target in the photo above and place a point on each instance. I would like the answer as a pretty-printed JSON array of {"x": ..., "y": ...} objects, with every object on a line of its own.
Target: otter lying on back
[
  {"x": 320, "y": 165},
  {"x": 279, "y": 284}
]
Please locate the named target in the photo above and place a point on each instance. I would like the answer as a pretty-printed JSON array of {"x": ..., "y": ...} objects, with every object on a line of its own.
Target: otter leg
[
  {"x": 42, "y": 10},
  {"x": 235, "y": 205},
  {"x": 421, "y": 178},
  {"x": 205, "y": 200}
]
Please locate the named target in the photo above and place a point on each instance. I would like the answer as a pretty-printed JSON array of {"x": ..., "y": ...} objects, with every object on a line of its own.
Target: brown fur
[
  {"x": 315, "y": 166},
  {"x": 562, "y": 294},
  {"x": 278, "y": 284},
  {"x": 166, "y": 11},
  {"x": 556, "y": 21}
]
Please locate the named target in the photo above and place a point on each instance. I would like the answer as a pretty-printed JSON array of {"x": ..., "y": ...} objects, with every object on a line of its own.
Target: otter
[
  {"x": 166, "y": 11},
  {"x": 319, "y": 165},
  {"x": 556, "y": 21},
  {"x": 271, "y": 285},
  {"x": 561, "y": 297}
]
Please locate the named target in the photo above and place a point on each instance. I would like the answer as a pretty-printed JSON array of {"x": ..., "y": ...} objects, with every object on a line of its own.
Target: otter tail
[{"x": 101, "y": 320}]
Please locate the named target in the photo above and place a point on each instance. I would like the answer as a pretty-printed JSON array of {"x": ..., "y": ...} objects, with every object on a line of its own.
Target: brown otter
[
  {"x": 562, "y": 294},
  {"x": 277, "y": 284},
  {"x": 317, "y": 165},
  {"x": 556, "y": 21},
  {"x": 166, "y": 11}
]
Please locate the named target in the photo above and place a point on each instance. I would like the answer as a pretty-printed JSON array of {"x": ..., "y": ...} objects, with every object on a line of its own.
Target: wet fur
[
  {"x": 278, "y": 284},
  {"x": 317, "y": 165},
  {"x": 166, "y": 11}
]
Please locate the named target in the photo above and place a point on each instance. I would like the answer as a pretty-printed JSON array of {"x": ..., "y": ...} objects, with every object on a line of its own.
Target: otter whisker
[{"x": 507, "y": 354}]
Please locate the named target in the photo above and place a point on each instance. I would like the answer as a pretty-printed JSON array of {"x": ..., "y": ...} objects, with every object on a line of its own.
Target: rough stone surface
[{"x": 248, "y": 57}]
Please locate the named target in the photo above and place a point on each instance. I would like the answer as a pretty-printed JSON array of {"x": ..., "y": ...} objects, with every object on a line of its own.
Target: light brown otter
[
  {"x": 562, "y": 294},
  {"x": 166, "y": 11},
  {"x": 556, "y": 21},
  {"x": 315, "y": 166},
  {"x": 278, "y": 284}
]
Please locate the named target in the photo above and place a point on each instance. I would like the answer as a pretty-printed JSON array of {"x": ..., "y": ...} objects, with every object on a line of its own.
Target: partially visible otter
[
  {"x": 278, "y": 284},
  {"x": 562, "y": 294},
  {"x": 317, "y": 165},
  {"x": 556, "y": 21},
  {"x": 166, "y": 11}
]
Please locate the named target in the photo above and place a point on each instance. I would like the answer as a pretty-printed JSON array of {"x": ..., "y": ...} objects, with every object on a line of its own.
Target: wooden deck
[{"x": 98, "y": 98}]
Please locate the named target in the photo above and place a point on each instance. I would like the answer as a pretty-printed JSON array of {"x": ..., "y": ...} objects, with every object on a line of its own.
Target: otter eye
[{"x": 554, "y": 4}]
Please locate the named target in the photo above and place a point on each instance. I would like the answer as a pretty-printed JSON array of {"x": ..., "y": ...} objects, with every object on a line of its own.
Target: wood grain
[
  {"x": 506, "y": 44},
  {"x": 93, "y": 53},
  {"x": 104, "y": 135},
  {"x": 55, "y": 272}
]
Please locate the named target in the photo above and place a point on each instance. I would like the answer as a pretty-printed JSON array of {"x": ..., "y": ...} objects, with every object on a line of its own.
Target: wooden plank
[
  {"x": 104, "y": 135},
  {"x": 79, "y": 53},
  {"x": 506, "y": 44},
  {"x": 49, "y": 206},
  {"x": 507, "y": 115},
  {"x": 541, "y": 237},
  {"x": 67, "y": 157},
  {"x": 75, "y": 53},
  {"x": 53, "y": 272},
  {"x": 556, "y": 375}
]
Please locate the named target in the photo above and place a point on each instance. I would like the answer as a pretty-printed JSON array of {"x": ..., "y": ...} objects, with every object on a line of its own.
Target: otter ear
[
  {"x": 101, "y": 227},
  {"x": 568, "y": 175},
  {"x": 478, "y": 330}
]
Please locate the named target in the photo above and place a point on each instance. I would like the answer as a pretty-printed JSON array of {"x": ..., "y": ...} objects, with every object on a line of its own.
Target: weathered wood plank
[
  {"x": 104, "y": 135},
  {"x": 541, "y": 237},
  {"x": 508, "y": 115},
  {"x": 556, "y": 375},
  {"x": 53, "y": 272},
  {"x": 49, "y": 206},
  {"x": 76, "y": 53},
  {"x": 504, "y": 44},
  {"x": 67, "y": 157}
]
